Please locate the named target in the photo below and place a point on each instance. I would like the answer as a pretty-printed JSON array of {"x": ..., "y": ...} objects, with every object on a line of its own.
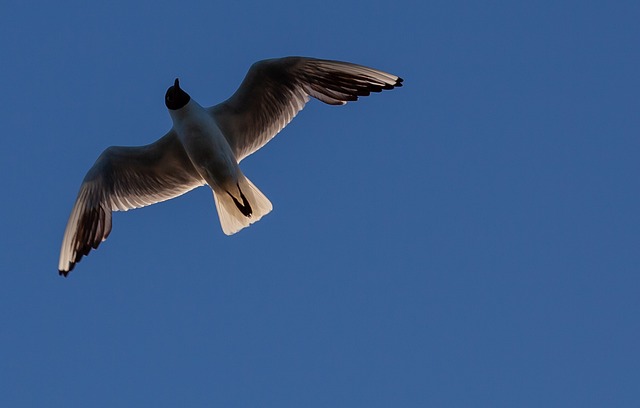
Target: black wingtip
[
  {"x": 397, "y": 84},
  {"x": 66, "y": 273}
]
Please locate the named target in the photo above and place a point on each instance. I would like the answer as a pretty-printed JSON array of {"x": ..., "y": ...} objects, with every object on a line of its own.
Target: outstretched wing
[
  {"x": 275, "y": 90},
  {"x": 121, "y": 179}
]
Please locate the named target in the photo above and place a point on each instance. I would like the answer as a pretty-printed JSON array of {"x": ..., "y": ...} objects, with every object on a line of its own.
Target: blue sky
[{"x": 470, "y": 239}]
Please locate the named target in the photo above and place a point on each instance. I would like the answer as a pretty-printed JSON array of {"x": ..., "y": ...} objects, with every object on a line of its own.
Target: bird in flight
[{"x": 206, "y": 145}]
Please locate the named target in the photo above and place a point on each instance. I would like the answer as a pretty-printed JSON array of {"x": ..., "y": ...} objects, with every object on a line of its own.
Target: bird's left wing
[
  {"x": 121, "y": 179},
  {"x": 275, "y": 90}
]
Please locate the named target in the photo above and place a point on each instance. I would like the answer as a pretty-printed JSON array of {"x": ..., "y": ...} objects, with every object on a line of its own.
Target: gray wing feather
[
  {"x": 275, "y": 90},
  {"x": 121, "y": 179}
]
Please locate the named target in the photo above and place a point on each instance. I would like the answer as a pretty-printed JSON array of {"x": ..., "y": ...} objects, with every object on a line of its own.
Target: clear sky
[{"x": 470, "y": 239}]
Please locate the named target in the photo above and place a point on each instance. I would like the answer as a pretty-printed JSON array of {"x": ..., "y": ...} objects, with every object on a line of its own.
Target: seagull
[{"x": 206, "y": 146}]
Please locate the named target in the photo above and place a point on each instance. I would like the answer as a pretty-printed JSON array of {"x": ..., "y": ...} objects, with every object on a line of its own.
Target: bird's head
[{"x": 176, "y": 98}]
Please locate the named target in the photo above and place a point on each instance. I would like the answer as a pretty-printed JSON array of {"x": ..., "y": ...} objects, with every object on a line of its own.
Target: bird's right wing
[
  {"x": 275, "y": 90},
  {"x": 121, "y": 179}
]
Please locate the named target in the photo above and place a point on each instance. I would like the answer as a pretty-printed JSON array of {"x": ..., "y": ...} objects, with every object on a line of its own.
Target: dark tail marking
[{"x": 244, "y": 208}]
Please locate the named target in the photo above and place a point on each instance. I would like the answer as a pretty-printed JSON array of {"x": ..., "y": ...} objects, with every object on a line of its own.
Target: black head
[{"x": 176, "y": 98}]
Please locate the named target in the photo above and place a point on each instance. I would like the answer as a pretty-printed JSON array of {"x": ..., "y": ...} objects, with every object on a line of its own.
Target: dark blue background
[{"x": 470, "y": 239}]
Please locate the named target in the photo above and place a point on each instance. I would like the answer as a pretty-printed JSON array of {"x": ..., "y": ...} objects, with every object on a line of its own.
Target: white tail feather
[{"x": 231, "y": 217}]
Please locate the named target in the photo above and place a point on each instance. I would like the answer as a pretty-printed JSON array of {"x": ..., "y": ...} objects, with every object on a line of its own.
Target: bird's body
[{"x": 206, "y": 145}]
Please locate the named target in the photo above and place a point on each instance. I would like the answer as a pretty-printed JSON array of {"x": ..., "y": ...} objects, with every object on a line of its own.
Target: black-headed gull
[{"x": 205, "y": 146}]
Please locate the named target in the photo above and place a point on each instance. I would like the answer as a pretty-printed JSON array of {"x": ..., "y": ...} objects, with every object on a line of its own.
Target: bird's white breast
[{"x": 205, "y": 144}]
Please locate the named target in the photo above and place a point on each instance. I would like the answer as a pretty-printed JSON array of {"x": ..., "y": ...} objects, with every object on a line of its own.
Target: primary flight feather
[{"x": 206, "y": 145}]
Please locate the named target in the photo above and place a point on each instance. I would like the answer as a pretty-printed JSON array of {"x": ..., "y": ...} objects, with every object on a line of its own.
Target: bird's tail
[{"x": 241, "y": 206}]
